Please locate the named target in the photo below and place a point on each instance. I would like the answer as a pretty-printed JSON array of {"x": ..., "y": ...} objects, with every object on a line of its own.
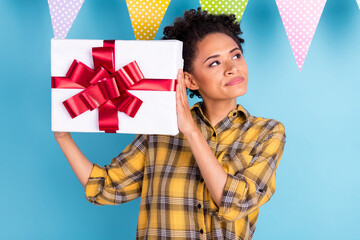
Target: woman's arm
[
  {"x": 213, "y": 173},
  {"x": 79, "y": 163}
]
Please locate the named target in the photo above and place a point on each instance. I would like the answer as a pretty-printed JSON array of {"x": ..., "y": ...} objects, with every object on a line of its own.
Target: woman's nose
[{"x": 231, "y": 68}]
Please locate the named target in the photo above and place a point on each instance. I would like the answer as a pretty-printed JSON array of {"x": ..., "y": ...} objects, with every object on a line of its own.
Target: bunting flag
[
  {"x": 300, "y": 19},
  {"x": 358, "y": 2},
  {"x": 63, "y": 14},
  {"x": 146, "y": 17},
  {"x": 236, "y": 7}
]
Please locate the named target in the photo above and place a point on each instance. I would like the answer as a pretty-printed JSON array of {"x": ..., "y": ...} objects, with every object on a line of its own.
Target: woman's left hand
[{"x": 185, "y": 121}]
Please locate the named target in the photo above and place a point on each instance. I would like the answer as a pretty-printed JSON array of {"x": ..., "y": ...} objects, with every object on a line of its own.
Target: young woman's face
[{"x": 219, "y": 68}]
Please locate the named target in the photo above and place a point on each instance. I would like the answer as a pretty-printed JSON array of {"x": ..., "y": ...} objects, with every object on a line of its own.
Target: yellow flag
[{"x": 146, "y": 16}]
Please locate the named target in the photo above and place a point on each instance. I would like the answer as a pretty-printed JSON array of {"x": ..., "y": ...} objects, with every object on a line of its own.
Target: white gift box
[{"x": 157, "y": 59}]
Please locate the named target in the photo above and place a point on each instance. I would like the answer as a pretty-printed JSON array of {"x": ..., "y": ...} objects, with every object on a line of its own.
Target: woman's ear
[{"x": 190, "y": 81}]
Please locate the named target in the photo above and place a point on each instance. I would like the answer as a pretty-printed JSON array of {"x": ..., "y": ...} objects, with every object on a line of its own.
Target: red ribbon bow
[{"x": 106, "y": 88}]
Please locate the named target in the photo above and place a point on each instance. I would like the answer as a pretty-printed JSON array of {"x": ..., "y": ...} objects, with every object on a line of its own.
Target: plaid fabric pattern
[{"x": 175, "y": 202}]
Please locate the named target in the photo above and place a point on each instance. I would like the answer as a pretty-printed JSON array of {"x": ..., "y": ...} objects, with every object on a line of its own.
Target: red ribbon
[{"x": 105, "y": 88}]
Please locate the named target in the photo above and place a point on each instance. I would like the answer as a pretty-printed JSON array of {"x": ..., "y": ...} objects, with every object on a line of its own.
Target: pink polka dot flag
[
  {"x": 300, "y": 19},
  {"x": 63, "y": 14}
]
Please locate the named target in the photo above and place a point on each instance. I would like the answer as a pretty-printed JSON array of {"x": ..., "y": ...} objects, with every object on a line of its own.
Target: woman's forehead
[{"x": 215, "y": 43}]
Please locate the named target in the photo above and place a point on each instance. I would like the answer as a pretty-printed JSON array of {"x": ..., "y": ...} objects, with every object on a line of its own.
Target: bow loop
[
  {"x": 109, "y": 88},
  {"x": 105, "y": 57},
  {"x": 128, "y": 75},
  {"x": 99, "y": 74},
  {"x": 93, "y": 97},
  {"x": 80, "y": 73},
  {"x": 128, "y": 103}
]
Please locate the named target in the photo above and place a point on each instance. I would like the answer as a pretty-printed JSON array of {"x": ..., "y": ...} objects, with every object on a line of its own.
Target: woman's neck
[{"x": 215, "y": 111}]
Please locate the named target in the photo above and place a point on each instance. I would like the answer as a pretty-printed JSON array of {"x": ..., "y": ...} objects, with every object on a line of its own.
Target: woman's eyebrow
[
  {"x": 217, "y": 55},
  {"x": 234, "y": 49}
]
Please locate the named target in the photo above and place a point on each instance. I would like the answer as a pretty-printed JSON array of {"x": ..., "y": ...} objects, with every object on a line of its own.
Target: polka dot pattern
[
  {"x": 146, "y": 16},
  {"x": 63, "y": 14},
  {"x": 236, "y": 7},
  {"x": 300, "y": 19}
]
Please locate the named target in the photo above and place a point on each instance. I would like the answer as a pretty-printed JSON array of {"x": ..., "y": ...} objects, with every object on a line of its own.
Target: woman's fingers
[
  {"x": 178, "y": 94},
  {"x": 185, "y": 121},
  {"x": 181, "y": 85}
]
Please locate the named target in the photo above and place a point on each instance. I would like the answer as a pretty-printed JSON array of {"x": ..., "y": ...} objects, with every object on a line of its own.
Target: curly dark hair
[{"x": 194, "y": 26}]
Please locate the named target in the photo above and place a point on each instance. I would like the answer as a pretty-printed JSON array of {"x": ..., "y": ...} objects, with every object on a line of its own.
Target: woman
[{"x": 208, "y": 181}]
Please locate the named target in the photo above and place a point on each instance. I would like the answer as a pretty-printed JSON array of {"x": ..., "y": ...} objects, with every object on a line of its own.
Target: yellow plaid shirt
[{"x": 175, "y": 202}]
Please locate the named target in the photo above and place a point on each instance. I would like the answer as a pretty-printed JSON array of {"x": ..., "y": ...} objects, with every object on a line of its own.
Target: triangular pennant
[
  {"x": 146, "y": 17},
  {"x": 236, "y": 7},
  {"x": 63, "y": 14},
  {"x": 358, "y": 2},
  {"x": 300, "y": 19}
]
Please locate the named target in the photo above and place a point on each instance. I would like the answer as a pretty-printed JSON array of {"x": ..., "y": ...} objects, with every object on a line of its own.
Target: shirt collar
[{"x": 239, "y": 110}]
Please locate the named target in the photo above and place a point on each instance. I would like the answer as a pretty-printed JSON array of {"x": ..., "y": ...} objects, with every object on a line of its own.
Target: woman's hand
[{"x": 185, "y": 121}]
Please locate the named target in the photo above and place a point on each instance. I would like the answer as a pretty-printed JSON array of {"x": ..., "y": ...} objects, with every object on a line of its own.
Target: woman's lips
[{"x": 235, "y": 81}]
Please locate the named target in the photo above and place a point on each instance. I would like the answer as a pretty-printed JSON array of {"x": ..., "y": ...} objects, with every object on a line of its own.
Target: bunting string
[{"x": 300, "y": 18}]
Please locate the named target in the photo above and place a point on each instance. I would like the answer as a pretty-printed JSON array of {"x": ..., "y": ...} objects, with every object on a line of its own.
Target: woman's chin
[{"x": 241, "y": 91}]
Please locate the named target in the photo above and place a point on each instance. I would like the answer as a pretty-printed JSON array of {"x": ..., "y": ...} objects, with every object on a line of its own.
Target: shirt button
[
  {"x": 201, "y": 180},
  {"x": 214, "y": 134},
  {"x": 201, "y": 231},
  {"x": 199, "y": 205}
]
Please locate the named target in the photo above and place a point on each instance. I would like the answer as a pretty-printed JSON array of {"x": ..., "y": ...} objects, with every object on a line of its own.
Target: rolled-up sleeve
[
  {"x": 121, "y": 181},
  {"x": 249, "y": 188}
]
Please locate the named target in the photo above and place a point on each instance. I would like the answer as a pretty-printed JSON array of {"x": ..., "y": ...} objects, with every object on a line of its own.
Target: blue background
[{"x": 317, "y": 194}]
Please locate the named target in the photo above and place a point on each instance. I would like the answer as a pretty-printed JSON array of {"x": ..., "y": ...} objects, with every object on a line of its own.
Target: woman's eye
[
  {"x": 214, "y": 63},
  {"x": 237, "y": 55}
]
